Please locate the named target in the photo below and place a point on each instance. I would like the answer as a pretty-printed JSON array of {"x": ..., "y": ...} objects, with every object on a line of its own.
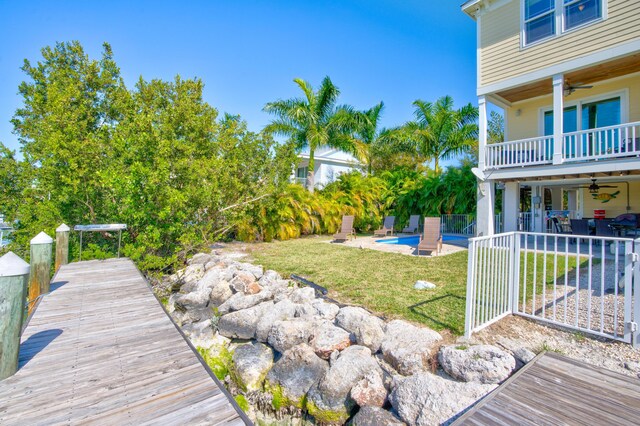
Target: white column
[
  {"x": 558, "y": 117},
  {"x": 485, "y": 209},
  {"x": 511, "y": 206},
  {"x": 556, "y": 198},
  {"x": 482, "y": 130},
  {"x": 572, "y": 201}
]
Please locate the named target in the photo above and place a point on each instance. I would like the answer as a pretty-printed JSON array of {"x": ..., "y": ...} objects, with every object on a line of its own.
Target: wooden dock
[
  {"x": 101, "y": 350},
  {"x": 556, "y": 390}
]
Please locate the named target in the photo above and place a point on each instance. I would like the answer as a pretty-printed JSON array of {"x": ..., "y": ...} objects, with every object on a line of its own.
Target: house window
[
  {"x": 578, "y": 12},
  {"x": 302, "y": 172},
  {"x": 541, "y": 17},
  {"x": 539, "y": 20}
]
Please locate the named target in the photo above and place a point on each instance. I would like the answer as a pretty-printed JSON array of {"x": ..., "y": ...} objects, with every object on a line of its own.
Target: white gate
[{"x": 586, "y": 284}]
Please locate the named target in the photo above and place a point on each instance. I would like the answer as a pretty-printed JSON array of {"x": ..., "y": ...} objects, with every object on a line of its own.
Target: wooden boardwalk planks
[
  {"x": 554, "y": 389},
  {"x": 101, "y": 350}
]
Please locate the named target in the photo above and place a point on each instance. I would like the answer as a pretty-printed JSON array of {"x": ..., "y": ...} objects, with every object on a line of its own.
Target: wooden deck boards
[
  {"x": 554, "y": 389},
  {"x": 101, "y": 350}
]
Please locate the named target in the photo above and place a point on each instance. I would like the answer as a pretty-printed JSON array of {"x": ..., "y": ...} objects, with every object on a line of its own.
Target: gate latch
[
  {"x": 634, "y": 257},
  {"x": 632, "y": 327}
]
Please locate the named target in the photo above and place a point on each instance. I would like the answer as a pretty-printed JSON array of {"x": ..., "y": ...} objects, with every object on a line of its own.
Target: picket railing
[
  {"x": 520, "y": 153},
  {"x": 622, "y": 140},
  {"x": 585, "y": 284},
  {"x": 465, "y": 224}
]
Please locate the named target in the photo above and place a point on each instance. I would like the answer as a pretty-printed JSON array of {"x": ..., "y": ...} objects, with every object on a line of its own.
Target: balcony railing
[
  {"x": 585, "y": 145},
  {"x": 520, "y": 153},
  {"x": 605, "y": 142}
]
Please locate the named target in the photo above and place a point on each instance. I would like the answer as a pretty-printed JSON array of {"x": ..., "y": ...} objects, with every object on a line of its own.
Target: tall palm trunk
[{"x": 310, "y": 170}]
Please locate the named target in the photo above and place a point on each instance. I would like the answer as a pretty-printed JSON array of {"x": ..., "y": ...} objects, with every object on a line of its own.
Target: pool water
[{"x": 415, "y": 240}]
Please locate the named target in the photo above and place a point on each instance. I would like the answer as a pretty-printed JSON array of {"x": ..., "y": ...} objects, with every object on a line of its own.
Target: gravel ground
[
  {"x": 598, "y": 307},
  {"x": 513, "y": 332}
]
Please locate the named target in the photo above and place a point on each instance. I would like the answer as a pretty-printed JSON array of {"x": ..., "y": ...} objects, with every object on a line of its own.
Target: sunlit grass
[{"x": 382, "y": 282}]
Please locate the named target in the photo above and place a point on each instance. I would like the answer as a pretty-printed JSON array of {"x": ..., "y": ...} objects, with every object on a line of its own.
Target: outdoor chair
[
  {"x": 346, "y": 231},
  {"x": 414, "y": 223},
  {"x": 603, "y": 229},
  {"x": 557, "y": 226},
  {"x": 579, "y": 227},
  {"x": 431, "y": 238},
  {"x": 387, "y": 228}
]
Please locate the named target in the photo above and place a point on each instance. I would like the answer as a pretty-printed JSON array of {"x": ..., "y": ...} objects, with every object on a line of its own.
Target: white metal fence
[
  {"x": 525, "y": 222},
  {"x": 465, "y": 224},
  {"x": 587, "y": 284}
]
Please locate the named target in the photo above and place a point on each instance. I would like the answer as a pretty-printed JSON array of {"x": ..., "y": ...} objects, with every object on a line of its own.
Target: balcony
[{"x": 604, "y": 143}]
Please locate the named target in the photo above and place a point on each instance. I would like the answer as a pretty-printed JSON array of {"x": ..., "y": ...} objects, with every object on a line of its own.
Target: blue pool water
[{"x": 415, "y": 239}]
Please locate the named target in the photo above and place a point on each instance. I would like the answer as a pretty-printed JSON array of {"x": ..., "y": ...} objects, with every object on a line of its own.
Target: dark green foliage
[{"x": 155, "y": 157}]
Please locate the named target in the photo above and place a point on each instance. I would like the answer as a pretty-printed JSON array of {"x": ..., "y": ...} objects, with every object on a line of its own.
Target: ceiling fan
[
  {"x": 594, "y": 187},
  {"x": 570, "y": 88}
]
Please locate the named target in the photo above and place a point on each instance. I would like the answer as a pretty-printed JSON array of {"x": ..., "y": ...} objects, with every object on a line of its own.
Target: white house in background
[{"x": 329, "y": 164}]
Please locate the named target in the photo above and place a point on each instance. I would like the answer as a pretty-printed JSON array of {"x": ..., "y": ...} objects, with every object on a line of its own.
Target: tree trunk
[{"x": 310, "y": 171}]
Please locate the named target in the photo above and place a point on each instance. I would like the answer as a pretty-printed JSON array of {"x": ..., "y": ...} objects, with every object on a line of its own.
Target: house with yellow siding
[{"x": 566, "y": 74}]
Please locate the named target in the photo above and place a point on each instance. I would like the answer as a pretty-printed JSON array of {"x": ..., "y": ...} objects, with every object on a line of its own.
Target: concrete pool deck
[{"x": 369, "y": 242}]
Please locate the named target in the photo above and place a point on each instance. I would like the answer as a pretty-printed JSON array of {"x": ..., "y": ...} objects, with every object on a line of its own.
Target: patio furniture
[
  {"x": 626, "y": 223},
  {"x": 431, "y": 238},
  {"x": 346, "y": 231},
  {"x": 558, "y": 227},
  {"x": 414, "y": 223},
  {"x": 603, "y": 228},
  {"x": 387, "y": 228},
  {"x": 579, "y": 227}
]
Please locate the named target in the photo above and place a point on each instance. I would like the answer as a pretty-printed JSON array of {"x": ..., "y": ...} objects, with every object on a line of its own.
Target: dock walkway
[
  {"x": 553, "y": 389},
  {"x": 101, "y": 350}
]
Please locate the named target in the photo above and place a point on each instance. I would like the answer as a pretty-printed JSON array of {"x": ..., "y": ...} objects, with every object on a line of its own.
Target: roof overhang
[{"x": 471, "y": 7}]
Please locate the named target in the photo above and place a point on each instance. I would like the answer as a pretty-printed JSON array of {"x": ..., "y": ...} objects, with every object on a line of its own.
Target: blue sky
[{"x": 248, "y": 52}]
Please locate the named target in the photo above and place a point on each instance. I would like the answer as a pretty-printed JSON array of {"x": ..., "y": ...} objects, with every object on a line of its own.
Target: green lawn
[{"x": 381, "y": 282}]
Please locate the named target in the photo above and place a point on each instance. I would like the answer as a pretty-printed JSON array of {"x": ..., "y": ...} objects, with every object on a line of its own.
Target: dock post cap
[
  {"x": 63, "y": 228},
  {"x": 42, "y": 238},
  {"x": 12, "y": 265}
]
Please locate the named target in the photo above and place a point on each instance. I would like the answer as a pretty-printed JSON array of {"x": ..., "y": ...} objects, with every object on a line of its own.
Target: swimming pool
[{"x": 414, "y": 240}]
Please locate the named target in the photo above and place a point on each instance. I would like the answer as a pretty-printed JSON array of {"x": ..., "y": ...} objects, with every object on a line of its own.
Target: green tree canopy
[
  {"x": 440, "y": 132},
  {"x": 156, "y": 157},
  {"x": 314, "y": 121}
]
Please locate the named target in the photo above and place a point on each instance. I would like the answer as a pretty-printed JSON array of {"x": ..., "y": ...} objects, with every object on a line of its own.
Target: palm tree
[
  {"x": 314, "y": 121},
  {"x": 441, "y": 132}
]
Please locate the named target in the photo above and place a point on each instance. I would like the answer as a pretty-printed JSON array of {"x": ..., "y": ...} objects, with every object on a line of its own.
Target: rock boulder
[
  {"x": 289, "y": 333},
  {"x": 328, "y": 338},
  {"x": 375, "y": 416},
  {"x": 480, "y": 363},
  {"x": 293, "y": 375},
  {"x": 367, "y": 329},
  {"x": 251, "y": 363},
  {"x": 425, "y": 399},
  {"x": 408, "y": 348},
  {"x": 329, "y": 401},
  {"x": 242, "y": 324}
]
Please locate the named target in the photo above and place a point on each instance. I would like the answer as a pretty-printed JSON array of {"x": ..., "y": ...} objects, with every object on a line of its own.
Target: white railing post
[
  {"x": 514, "y": 284},
  {"x": 482, "y": 132},
  {"x": 470, "y": 308},
  {"x": 635, "y": 282},
  {"x": 558, "y": 115}
]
